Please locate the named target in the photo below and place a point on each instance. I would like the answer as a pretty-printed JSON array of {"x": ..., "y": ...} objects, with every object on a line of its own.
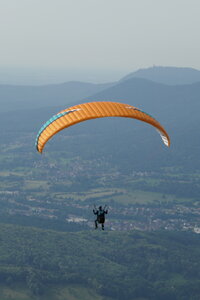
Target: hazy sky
[{"x": 106, "y": 37}]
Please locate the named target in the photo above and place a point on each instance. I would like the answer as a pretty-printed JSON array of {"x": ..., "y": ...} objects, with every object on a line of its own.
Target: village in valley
[
  {"x": 58, "y": 187},
  {"x": 145, "y": 217}
]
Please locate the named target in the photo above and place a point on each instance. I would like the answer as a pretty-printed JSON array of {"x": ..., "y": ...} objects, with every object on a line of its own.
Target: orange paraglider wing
[{"x": 93, "y": 110}]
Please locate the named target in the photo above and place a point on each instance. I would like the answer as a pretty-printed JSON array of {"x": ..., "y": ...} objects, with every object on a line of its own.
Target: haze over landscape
[
  {"x": 57, "y": 54},
  {"x": 97, "y": 41}
]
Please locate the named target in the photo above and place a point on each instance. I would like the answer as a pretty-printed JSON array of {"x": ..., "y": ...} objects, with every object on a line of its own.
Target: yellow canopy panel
[{"x": 93, "y": 110}]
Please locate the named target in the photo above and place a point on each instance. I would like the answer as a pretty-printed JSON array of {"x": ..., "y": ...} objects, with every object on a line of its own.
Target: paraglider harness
[{"x": 100, "y": 215}]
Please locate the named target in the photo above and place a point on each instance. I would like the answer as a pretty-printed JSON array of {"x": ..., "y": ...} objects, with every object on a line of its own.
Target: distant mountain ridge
[
  {"x": 167, "y": 75},
  {"x": 15, "y": 97}
]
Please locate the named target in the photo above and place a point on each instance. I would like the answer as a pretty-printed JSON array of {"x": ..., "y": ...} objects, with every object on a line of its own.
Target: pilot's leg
[{"x": 96, "y": 224}]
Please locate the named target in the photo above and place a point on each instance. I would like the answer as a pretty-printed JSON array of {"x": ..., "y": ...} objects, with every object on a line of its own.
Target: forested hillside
[{"x": 132, "y": 265}]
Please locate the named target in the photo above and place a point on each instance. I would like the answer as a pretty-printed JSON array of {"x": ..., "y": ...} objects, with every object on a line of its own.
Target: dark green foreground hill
[{"x": 44, "y": 264}]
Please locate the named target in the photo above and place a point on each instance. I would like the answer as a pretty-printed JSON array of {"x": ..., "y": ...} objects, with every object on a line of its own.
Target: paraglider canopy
[{"x": 93, "y": 110}]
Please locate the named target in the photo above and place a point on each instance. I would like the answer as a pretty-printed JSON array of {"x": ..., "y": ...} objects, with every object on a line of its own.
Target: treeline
[
  {"x": 43, "y": 223},
  {"x": 132, "y": 265},
  {"x": 173, "y": 187}
]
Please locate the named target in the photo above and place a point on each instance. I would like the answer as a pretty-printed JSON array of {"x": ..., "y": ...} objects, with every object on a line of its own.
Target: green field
[
  {"x": 121, "y": 196},
  {"x": 71, "y": 292},
  {"x": 35, "y": 185},
  {"x": 142, "y": 197}
]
